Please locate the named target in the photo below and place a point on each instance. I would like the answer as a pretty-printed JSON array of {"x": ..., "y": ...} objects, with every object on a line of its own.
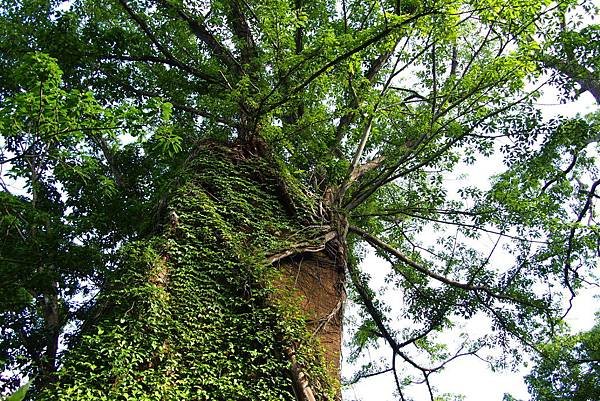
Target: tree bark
[{"x": 318, "y": 281}]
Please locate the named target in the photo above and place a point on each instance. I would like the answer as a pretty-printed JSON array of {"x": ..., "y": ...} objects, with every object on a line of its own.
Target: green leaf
[{"x": 20, "y": 393}]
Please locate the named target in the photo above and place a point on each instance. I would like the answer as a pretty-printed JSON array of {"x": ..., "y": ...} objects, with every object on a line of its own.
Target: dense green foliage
[
  {"x": 568, "y": 368},
  {"x": 363, "y": 111},
  {"x": 165, "y": 327},
  {"x": 59, "y": 239}
]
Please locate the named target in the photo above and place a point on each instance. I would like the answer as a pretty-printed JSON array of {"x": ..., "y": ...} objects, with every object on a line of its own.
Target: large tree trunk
[
  {"x": 317, "y": 280},
  {"x": 239, "y": 297}
]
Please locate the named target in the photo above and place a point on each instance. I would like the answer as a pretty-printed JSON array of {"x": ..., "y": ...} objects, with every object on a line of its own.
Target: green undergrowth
[{"x": 191, "y": 314}]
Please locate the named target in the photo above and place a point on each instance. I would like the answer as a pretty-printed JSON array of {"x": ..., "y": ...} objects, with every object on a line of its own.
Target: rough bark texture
[{"x": 318, "y": 280}]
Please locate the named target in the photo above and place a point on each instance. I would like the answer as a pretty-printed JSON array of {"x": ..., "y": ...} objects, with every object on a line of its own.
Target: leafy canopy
[
  {"x": 568, "y": 368},
  {"x": 371, "y": 106}
]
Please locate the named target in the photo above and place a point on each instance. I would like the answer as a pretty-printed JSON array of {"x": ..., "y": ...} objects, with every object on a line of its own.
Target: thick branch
[
  {"x": 377, "y": 243},
  {"x": 570, "y": 240},
  {"x": 206, "y": 37},
  {"x": 586, "y": 79},
  {"x": 170, "y": 58},
  {"x": 241, "y": 28},
  {"x": 302, "y": 247}
]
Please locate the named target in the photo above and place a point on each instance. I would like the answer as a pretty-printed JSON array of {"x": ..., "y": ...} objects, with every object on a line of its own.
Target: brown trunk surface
[{"x": 319, "y": 281}]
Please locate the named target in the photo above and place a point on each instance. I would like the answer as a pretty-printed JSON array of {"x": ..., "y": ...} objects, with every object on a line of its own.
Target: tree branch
[
  {"x": 166, "y": 61},
  {"x": 377, "y": 243},
  {"x": 385, "y": 32},
  {"x": 172, "y": 60},
  {"x": 206, "y": 37},
  {"x": 571, "y": 238},
  {"x": 241, "y": 28}
]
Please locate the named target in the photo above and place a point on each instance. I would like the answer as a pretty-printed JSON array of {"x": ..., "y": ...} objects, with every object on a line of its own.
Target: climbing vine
[{"x": 193, "y": 313}]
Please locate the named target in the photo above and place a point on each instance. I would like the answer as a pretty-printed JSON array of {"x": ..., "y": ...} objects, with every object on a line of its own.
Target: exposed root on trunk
[
  {"x": 302, "y": 247},
  {"x": 302, "y": 388}
]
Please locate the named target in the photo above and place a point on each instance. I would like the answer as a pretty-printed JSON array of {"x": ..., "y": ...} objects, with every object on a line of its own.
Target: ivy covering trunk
[{"x": 204, "y": 310}]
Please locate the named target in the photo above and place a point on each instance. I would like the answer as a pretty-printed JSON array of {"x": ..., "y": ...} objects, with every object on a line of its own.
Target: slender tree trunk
[
  {"x": 52, "y": 330},
  {"x": 239, "y": 297}
]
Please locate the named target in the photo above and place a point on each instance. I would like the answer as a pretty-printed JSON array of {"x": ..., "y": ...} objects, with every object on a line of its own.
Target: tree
[
  {"x": 202, "y": 179},
  {"x": 568, "y": 369}
]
